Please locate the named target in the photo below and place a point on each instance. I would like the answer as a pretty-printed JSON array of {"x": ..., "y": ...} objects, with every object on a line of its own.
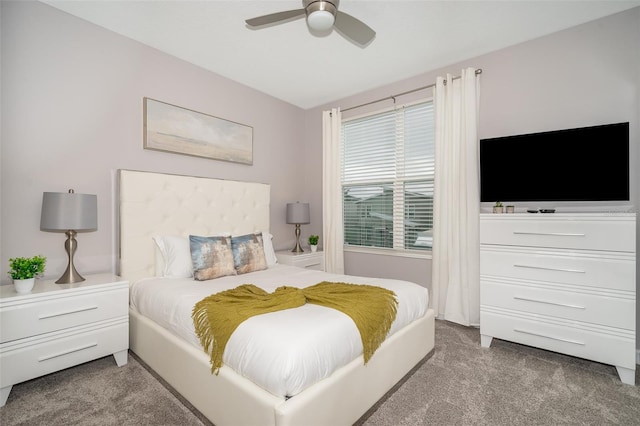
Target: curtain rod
[{"x": 478, "y": 71}]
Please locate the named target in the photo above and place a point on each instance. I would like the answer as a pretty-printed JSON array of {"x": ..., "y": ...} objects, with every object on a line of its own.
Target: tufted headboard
[{"x": 151, "y": 204}]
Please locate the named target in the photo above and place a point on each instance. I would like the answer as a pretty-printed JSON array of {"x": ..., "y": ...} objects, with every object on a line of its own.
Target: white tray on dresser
[
  {"x": 561, "y": 282},
  {"x": 57, "y": 326}
]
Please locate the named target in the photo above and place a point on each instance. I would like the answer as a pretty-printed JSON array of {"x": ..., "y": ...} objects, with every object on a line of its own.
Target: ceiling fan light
[{"x": 320, "y": 20}]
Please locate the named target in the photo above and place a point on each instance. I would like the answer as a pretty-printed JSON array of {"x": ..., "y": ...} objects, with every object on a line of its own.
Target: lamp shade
[
  {"x": 62, "y": 211},
  {"x": 298, "y": 213}
]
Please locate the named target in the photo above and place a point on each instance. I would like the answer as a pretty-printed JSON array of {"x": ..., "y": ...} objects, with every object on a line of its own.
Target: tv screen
[{"x": 583, "y": 164}]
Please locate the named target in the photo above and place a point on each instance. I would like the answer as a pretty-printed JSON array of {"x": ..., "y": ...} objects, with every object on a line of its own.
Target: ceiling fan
[{"x": 322, "y": 17}]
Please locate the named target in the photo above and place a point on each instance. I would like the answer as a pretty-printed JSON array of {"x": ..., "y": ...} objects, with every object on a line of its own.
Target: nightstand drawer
[
  {"x": 313, "y": 260},
  {"x": 20, "y": 361},
  {"x": 31, "y": 319}
]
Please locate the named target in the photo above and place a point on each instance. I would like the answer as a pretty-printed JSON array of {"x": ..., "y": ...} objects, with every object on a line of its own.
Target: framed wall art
[{"x": 171, "y": 128}]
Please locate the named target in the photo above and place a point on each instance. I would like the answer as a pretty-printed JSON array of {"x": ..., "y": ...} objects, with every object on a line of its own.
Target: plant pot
[
  {"x": 314, "y": 248},
  {"x": 498, "y": 209},
  {"x": 24, "y": 286}
]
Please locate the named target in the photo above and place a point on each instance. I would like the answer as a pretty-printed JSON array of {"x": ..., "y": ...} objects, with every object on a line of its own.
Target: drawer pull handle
[
  {"x": 81, "y": 348},
  {"x": 575, "y": 342},
  {"x": 59, "y": 314},
  {"x": 553, "y": 234},
  {"x": 549, "y": 303},
  {"x": 577, "y": 271}
]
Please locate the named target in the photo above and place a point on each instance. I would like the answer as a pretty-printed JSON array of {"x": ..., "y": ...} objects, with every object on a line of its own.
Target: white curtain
[
  {"x": 332, "y": 228},
  {"x": 456, "y": 204}
]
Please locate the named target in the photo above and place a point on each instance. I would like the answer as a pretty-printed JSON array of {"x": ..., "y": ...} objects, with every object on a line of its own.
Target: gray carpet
[
  {"x": 96, "y": 393},
  {"x": 460, "y": 384},
  {"x": 507, "y": 384}
]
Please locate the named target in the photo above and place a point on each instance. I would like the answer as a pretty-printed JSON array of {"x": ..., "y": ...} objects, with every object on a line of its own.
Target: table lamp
[
  {"x": 297, "y": 214},
  {"x": 69, "y": 213}
]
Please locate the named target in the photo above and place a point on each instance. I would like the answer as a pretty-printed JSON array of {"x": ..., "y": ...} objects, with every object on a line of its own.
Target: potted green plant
[
  {"x": 498, "y": 208},
  {"x": 24, "y": 270},
  {"x": 313, "y": 242}
]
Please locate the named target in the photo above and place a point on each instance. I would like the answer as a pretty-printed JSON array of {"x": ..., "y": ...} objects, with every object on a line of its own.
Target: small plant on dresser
[
  {"x": 313, "y": 242},
  {"x": 22, "y": 268}
]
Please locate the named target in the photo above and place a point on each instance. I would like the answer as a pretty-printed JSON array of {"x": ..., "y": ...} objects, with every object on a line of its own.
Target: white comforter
[{"x": 283, "y": 352}]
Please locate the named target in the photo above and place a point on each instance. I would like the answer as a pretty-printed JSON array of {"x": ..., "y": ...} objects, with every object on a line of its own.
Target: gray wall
[
  {"x": 586, "y": 75},
  {"x": 72, "y": 115}
]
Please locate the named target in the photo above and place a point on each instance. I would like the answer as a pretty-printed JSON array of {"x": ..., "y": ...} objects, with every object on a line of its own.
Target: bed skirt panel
[
  {"x": 345, "y": 396},
  {"x": 226, "y": 399},
  {"x": 230, "y": 399}
]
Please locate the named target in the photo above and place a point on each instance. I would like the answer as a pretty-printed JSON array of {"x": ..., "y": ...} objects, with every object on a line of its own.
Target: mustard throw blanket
[{"x": 371, "y": 308}]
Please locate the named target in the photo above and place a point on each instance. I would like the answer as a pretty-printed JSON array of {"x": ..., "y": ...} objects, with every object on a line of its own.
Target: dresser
[
  {"x": 309, "y": 260},
  {"x": 561, "y": 282},
  {"x": 57, "y": 326}
]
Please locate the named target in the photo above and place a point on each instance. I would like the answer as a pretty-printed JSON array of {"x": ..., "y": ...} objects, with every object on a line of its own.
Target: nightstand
[
  {"x": 57, "y": 326},
  {"x": 305, "y": 259}
]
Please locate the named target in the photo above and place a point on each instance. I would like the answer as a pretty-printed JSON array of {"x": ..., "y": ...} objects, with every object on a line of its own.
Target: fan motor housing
[
  {"x": 311, "y": 6},
  {"x": 306, "y": 3},
  {"x": 321, "y": 15}
]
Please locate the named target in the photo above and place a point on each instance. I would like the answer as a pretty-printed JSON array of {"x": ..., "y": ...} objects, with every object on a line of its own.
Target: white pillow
[
  {"x": 269, "y": 252},
  {"x": 175, "y": 255}
]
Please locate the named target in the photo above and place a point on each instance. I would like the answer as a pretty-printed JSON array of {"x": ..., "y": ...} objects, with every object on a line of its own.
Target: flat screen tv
[{"x": 583, "y": 164}]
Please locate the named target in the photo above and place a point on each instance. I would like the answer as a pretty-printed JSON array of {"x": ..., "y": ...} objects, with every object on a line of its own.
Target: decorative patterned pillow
[
  {"x": 212, "y": 257},
  {"x": 248, "y": 253}
]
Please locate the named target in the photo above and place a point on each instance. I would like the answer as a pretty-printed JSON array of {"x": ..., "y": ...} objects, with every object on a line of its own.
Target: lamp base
[
  {"x": 70, "y": 275},
  {"x": 298, "y": 247}
]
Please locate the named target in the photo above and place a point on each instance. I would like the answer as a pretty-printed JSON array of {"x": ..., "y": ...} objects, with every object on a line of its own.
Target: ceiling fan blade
[
  {"x": 274, "y": 18},
  {"x": 354, "y": 29}
]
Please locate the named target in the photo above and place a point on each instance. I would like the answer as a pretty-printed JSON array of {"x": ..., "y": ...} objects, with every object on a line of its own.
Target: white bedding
[{"x": 283, "y": 352}]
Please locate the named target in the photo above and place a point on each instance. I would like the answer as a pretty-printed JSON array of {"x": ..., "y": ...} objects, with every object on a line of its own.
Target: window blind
[{"x": 387, "y": 178}]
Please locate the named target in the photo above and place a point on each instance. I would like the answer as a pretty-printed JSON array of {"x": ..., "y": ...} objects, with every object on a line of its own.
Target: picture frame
[{"x": 170, "y": 128}]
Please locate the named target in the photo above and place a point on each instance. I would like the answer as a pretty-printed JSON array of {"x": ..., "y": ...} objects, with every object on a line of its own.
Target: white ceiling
[{"x": 289, "y": 63}]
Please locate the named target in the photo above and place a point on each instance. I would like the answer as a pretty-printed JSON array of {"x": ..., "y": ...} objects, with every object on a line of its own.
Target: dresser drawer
[
  {"x": 30, "y": 319},
  {"x": 602, "y": 270},
  {"x": 609, "y": 309},
  {"x": 604, "y": 345},
  {"x": 614, "y": 234},
  {"x": 36, "y": 357}
]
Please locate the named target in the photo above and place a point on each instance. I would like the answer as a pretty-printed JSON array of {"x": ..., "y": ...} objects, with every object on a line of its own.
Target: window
[{"x": 387, "y": 178}]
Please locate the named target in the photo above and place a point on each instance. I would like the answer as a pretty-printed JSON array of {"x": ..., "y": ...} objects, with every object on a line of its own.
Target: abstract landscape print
[{"x": 179, "y": 130}]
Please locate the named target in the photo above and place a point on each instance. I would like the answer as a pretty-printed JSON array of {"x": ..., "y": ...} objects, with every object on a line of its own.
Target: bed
[{"x": 153, "y": 204}]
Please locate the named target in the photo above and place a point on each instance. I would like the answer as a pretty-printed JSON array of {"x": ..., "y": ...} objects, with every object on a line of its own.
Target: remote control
[
  {"x": 532, "y": 211},
  {"x": 547, "y": 210}
]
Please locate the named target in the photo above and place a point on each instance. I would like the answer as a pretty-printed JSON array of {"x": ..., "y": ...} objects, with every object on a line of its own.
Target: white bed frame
[{"x": 161, "y": 204}]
